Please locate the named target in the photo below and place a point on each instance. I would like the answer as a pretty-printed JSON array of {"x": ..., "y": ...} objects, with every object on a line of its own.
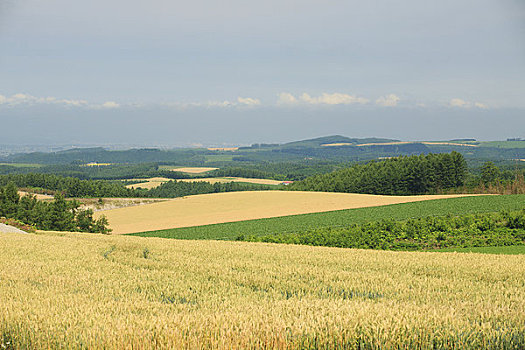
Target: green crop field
[
  {"x": 503, "y": 144},
  {"x": 23, "y": 165},
  {"x": 509, "y": 250},
  {"x": 294, "y": 223}
]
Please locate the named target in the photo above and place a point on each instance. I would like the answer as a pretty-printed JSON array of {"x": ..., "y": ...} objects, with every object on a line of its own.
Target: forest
[{"x": 404, "y": 175}]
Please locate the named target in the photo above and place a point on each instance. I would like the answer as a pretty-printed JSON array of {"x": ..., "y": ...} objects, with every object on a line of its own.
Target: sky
[{"x": 237, "y": 72}]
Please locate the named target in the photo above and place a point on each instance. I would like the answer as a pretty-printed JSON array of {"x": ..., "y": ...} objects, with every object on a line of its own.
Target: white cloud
[
  {"x": 25, "y": 99},
  {"x": 110, "y": 104},
  {"x": 286, "y": 98},
  {"x": 241, "y": 102},
  {"x": 215, "y": 104},
  {"x": 22, "y": 97},
  {"x": 458, "y": 102},
  {"x": 74, "y": 103},
  {"x": 325, "y": 98},
  {"x": 388, "y": 101},
  {"x": 17, "y": 99},
  {"x": 248, "y": 101},
  {"x": 333, "y": 99}
]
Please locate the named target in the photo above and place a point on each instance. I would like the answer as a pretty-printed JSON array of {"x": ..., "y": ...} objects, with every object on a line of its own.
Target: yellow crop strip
[{"x": 91, "y": 291}]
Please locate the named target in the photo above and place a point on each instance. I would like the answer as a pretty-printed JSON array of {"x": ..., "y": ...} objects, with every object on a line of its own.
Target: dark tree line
[
  {"x": 106, "y": 172},
  {"x": 405, "y": 175},
  {"x": 73, "y": 187},
  {"x": 244, "y": 172},
  {"x": 172, "y": 189},
  {"x": 58, "y": 215}
]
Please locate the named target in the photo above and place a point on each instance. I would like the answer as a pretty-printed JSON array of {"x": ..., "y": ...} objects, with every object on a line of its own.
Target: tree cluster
[
  {"x": 70, "y": 186},
  {"x": 58, "y": 215},
  {"x": 404, "y": 175},
  {"x": 172, "y": 189}
]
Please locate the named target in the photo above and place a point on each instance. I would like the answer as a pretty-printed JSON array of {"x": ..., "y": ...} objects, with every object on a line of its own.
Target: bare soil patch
[
  {"x": 38, "y": 195},
  {"x": 115, "y": 203}
]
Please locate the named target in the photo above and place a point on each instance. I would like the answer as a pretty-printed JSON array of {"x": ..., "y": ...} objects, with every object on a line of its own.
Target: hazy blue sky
[{"x": 227, "y": 72}]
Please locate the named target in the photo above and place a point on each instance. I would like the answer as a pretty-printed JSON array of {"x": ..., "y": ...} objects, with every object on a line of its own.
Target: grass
[
  {"x": 509, "y": 250},
  {"x": 503, "y": 144},
  {"x": 118, "y": 292},
  {"x": 23, "y": 165},
  {"x": 210, "y": 158},
  {"x": 295, "y": 223}
]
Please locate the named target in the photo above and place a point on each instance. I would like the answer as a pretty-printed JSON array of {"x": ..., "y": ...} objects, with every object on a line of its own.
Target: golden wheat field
[
  {"x": 238, "y": 206},
  {"x": 149, "y": 183},
  {"x": 194, "y": 170},
  {"x": 68, "y": 290}
]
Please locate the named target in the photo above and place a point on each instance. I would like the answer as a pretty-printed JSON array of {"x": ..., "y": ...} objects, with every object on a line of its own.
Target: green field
[
  {"x": 210, "y": 158},
  {"x": 23, "y": 165},
  {"x": 295, "y": 223},
  {"x": 508, "y": 250},
  {"x": 503, "y": 144}
]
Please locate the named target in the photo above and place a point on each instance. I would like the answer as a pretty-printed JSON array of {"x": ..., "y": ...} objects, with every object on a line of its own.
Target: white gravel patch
[{"x": 9, "y": 229}]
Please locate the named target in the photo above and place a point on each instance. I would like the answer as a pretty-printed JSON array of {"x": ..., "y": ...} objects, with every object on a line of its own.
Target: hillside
[
  {"x": 317, "y": 142},
  {"x": 342, "y": 149}
]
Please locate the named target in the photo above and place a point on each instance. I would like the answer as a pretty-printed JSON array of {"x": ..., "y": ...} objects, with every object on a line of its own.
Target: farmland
[
  {"x": 189, "y": 170},
  {"x": 504, "y": 144},
  {"x": 224, "y": 283},
  {"x": 22, "y": 165},
  {"x": 80, "y": 290},
  {"x": 148, "y": 183},
  {"x": 238, "y": 206},
  {"x": 157, "y": 181},
  {"x": 295, "y": 223},
  {"x": 235, "y": 179}
]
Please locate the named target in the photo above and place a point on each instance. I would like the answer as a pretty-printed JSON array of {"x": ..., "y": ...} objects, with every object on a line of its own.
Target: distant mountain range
[{"x": 332, "y": 148}]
